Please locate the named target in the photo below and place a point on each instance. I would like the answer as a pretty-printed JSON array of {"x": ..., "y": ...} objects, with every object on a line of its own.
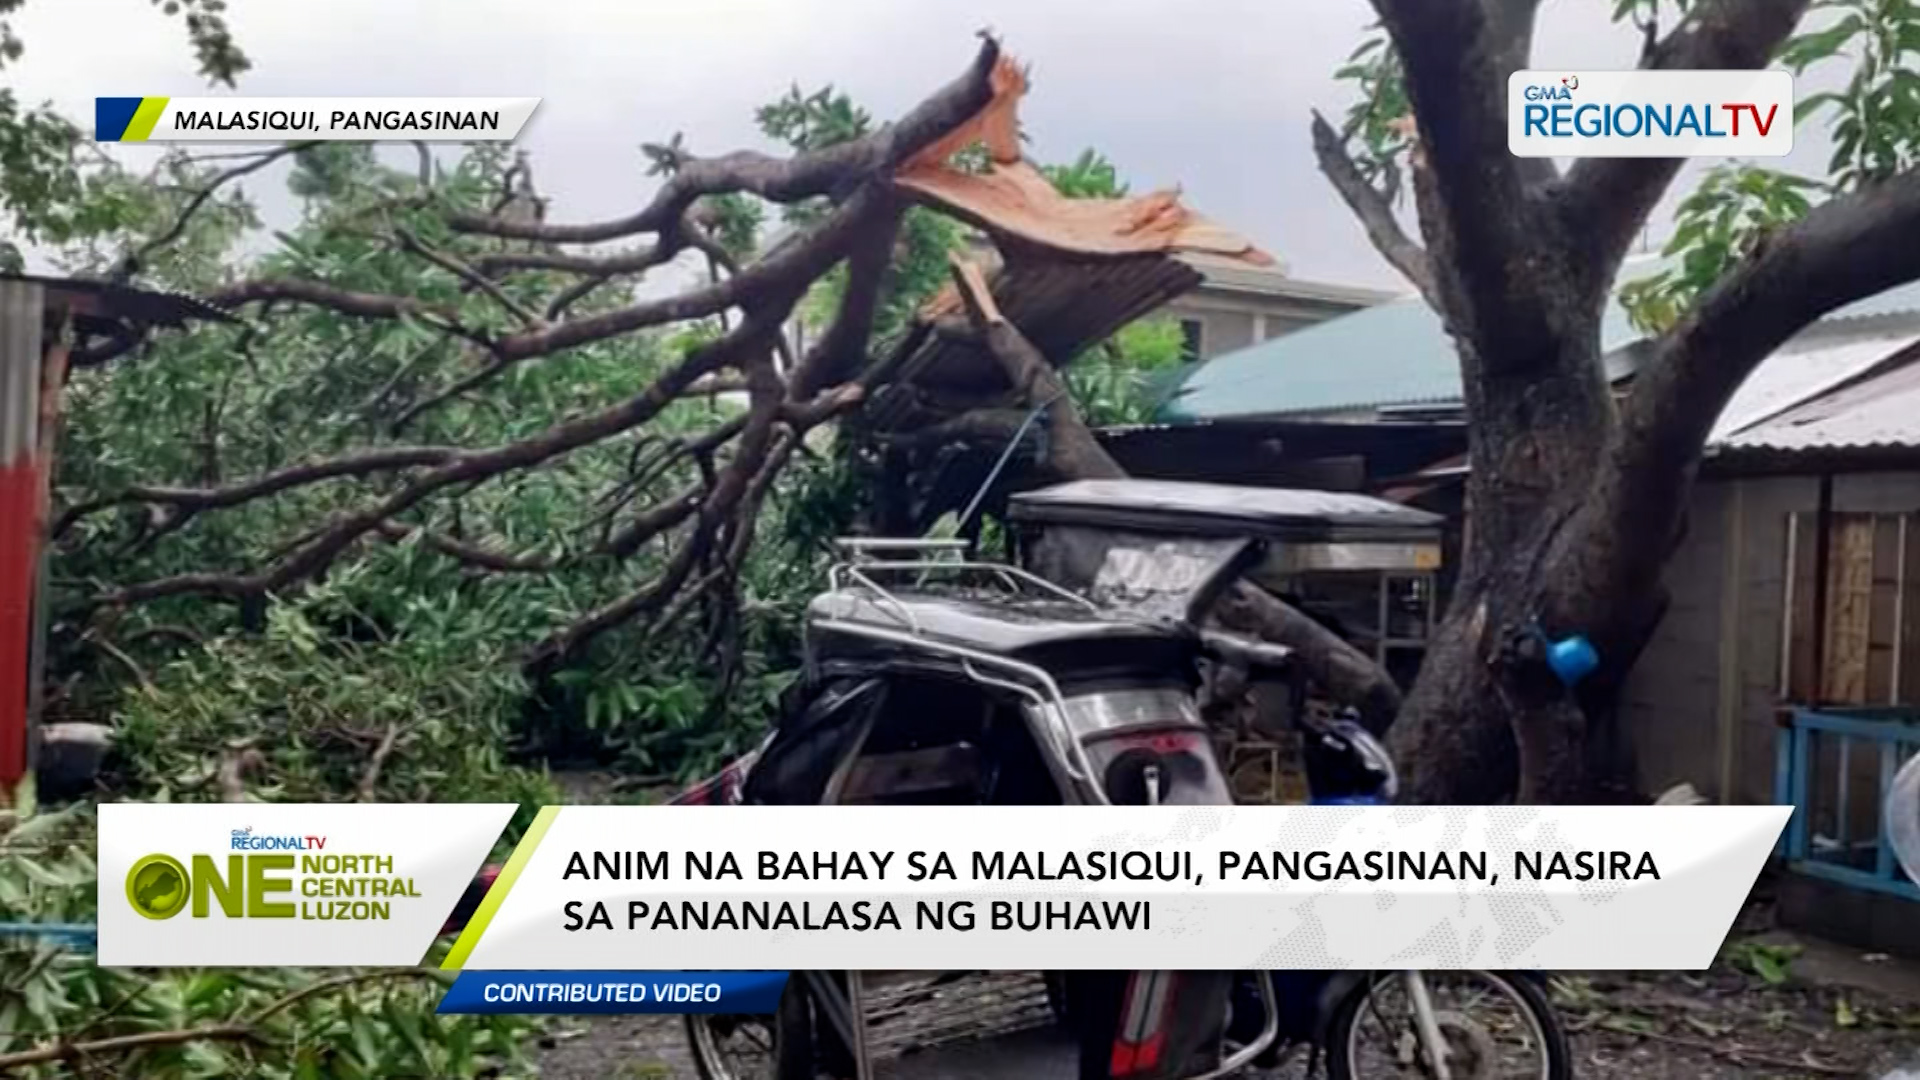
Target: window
[
  {"x": 1192, "y": 332},
  {"x": 1851, "y": 635}
]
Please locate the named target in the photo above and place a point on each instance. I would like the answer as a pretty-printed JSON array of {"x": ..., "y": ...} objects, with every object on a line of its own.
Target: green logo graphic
[{"x": 157, "y": 887}]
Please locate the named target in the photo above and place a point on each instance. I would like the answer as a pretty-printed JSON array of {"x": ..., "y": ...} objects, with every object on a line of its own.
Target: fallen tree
[{"x": 462, "y": 293}]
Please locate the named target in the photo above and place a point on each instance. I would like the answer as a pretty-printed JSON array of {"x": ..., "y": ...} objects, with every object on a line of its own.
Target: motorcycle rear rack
[{"x": 864, "y": 568}]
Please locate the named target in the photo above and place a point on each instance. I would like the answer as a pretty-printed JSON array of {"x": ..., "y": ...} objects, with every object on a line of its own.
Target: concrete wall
[
  {"x": 1236, "y": 320},
  {"x": 1701, "y": 701}
]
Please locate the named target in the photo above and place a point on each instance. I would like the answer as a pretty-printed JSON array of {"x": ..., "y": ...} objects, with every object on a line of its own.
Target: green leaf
[{"x": 1805, "y": 50}]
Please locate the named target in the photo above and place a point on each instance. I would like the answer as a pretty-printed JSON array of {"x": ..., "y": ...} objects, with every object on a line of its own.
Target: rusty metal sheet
[{"x": 100, "y": 307}]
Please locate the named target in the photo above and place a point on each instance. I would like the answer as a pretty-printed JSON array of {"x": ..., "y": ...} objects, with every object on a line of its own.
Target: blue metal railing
[{"x": 1886, "y": 736}]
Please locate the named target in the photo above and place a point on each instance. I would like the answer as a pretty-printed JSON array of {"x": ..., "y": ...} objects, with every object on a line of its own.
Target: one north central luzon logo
[
  {"x": 315, "y": 884},
  {"x": 1555, "y": 110}
]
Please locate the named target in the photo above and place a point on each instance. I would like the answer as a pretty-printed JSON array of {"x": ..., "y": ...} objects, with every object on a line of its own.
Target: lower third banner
[{"x": 748, "y": 992}]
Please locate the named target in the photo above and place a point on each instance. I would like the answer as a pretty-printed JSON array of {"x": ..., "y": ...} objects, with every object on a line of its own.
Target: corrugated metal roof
[
  {"x": 104, "y": 300},
  {"x": 20, "y": 314},
  {"x": 1882, "y": 410},
  {"x": 1814, "y": 363},
  {"x": 1399, "y": 353},
  {"x": 1896, "y": 301},
  {"x": 1061, "y": 305}
]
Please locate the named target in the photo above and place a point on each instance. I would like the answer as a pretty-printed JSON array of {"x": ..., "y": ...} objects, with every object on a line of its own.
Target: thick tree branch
[
  {"x": 1480, "y": 206},
  {"x": 213, "y": 498},
  {"x": 1373, "y": 210},
  {"x": 794, "y": 264},
  {"x": 360, "y": 305},
  {"x": 1074, "y": 453},
  {"x": 472, "y": 466},
  {"x": 1610, "y": 198},
  {"x": 806, "y": 175},
  {"x": 651, "y": 522},
  {"x": 1348, "y": 675},
  {"x": 788, "y": 269},
  {"x": 1852, "y": 247},
  {"x": 841, "y": 349},
  {"x": 1071, "y": 448},
  {"x": 718, "y": 506}
]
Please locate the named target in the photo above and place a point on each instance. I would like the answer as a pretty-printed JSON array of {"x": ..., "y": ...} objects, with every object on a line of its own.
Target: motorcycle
[{"x": 1075, "y": 674}]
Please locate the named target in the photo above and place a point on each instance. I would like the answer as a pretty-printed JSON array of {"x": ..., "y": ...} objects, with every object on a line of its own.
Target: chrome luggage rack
[{"x": 864, "y": 564}]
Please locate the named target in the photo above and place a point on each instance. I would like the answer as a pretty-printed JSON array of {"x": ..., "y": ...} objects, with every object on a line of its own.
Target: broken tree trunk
[{"x": 1073, "y": 453}]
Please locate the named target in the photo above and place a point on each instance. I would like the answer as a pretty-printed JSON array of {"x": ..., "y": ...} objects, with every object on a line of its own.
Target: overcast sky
[{"x": 1209, "y": 95}]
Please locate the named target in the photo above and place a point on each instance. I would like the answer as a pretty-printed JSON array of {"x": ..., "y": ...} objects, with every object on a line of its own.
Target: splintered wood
[{"x": 1012, "y": 198}]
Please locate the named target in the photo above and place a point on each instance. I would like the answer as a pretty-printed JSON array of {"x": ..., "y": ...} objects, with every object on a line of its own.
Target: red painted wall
[{"x": 20, "y": 488}]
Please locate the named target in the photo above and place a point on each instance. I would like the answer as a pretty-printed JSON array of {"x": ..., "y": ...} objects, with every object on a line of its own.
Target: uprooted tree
[{"x": 1574, "y": 502}]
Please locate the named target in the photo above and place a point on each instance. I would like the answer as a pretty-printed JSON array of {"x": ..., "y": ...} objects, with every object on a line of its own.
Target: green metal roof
[{"x": 1395, "y": 354}]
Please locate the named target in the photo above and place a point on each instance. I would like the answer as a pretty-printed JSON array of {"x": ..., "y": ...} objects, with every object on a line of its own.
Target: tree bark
[{"x": 1574, "y": 506}]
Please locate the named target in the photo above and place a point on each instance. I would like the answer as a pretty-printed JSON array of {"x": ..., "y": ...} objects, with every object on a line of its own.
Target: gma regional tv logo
[
  {"x": 312, "y": 885},
  {"x": 1650, "y": 113}
]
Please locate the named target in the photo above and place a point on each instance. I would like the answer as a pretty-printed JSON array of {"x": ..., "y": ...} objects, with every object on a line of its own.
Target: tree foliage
[{"x": 45, "y": 196}]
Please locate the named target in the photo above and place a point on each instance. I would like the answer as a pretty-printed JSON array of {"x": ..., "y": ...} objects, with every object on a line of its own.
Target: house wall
[
  {"x": 1701, "y": 702},
  {"x": 1235, "y": 320}
]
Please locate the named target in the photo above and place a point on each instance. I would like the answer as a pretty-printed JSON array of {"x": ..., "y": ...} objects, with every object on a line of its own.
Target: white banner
[
  {"x": 293, "y": 119},
  {"x": 284, "y": 884},
  {"x": 1121, "y": 888},
  {"x": 1650, "y": 113}
]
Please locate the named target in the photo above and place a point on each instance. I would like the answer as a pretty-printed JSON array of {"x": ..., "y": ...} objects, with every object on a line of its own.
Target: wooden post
[
  {"x": 1733, "y": 585},
  {"x": 22, "y": 483},
  {"x": 1822, "y": 556}
]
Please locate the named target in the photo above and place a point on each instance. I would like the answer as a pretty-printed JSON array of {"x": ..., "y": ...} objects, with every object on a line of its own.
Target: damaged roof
[{"x": 101, "y": 307}]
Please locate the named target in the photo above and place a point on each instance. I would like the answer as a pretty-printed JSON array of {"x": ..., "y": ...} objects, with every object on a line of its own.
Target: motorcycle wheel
[
  {"x": 739, "y": 1047},
  {"x": 1371, "y": 1034}
]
